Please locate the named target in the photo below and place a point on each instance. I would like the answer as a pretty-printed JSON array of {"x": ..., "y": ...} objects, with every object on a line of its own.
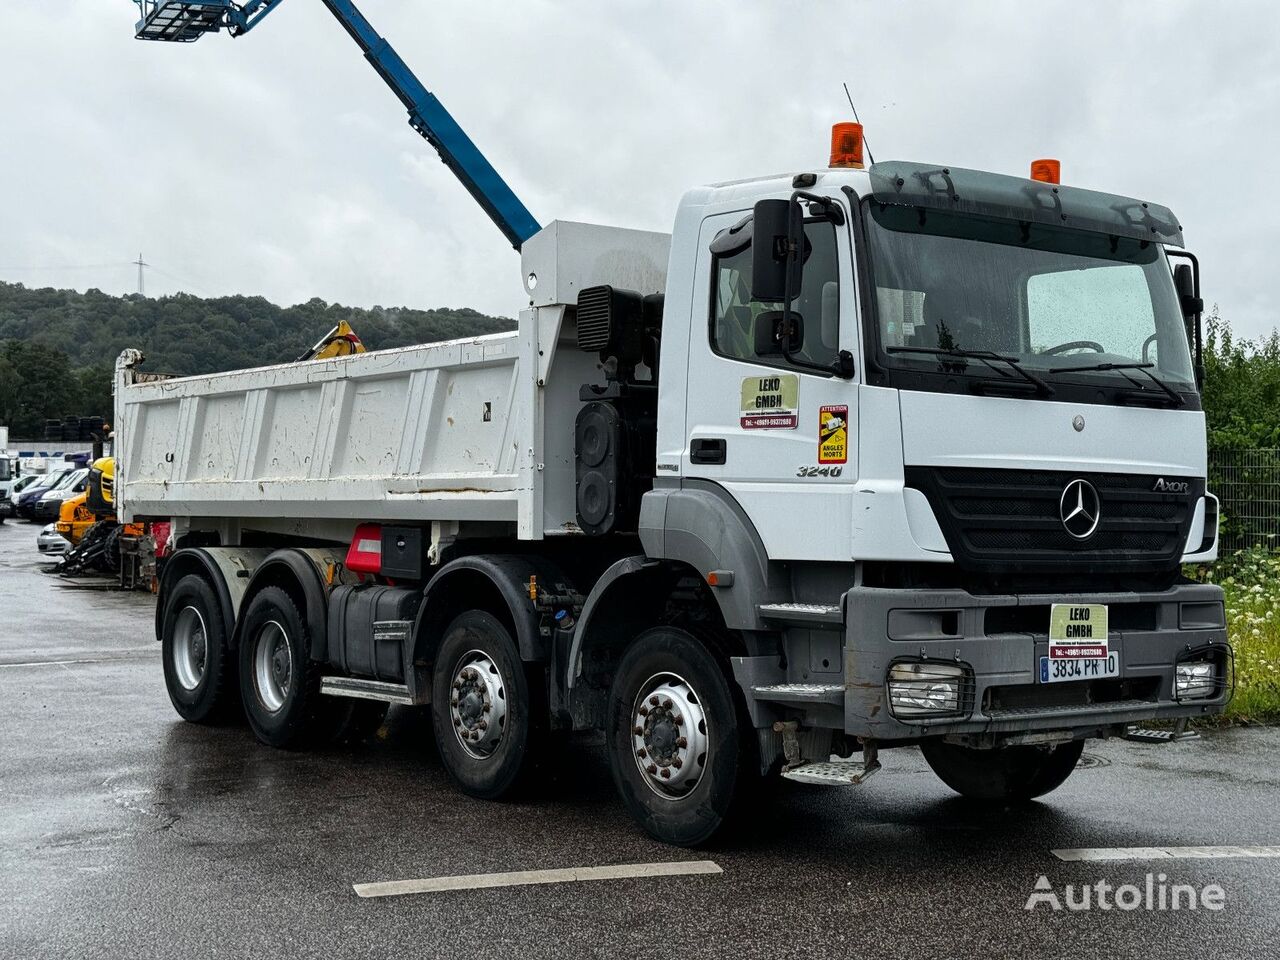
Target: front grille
[{"x": 1010, "y": 521}]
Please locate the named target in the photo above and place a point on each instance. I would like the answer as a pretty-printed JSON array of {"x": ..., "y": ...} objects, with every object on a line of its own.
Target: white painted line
[
  {"x": 64, "y": 663},
  {"x": 1165, "y": 853},
  {"x": 519, "y": 878}
]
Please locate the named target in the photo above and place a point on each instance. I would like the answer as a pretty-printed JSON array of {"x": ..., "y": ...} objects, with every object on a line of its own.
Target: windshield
[{"x": 1054, "y": 300}]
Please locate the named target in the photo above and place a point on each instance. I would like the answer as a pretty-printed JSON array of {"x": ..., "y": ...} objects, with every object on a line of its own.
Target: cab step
[
  {"x": 802, "y": 694},
  {"x": 362, "y": 689},
  {"x": 832, "y": 773},
  {"x": 1144, "y": 735},
  {"x": 806, "y": 614}
]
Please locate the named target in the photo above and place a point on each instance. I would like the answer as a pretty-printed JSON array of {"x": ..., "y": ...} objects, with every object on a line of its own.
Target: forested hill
[{"x": 57, "y": 347}]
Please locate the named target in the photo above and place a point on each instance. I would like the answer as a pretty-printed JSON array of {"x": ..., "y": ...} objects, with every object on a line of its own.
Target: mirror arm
[{"x": 1198, "y": 306}]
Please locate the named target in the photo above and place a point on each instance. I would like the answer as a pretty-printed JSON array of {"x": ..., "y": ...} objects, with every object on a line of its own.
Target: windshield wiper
[
  {"x": 1120, "y": 368},
  {"x": 986, "y": 356}
]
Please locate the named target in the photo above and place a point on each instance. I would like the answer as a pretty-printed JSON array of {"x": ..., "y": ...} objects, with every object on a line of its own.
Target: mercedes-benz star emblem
[
  {"x": 1078, "y": 422},
  {"x": 1080, "y": 509}
]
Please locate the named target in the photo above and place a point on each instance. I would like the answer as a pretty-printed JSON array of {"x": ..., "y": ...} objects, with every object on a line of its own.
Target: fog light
[
  {"x": 924, "y": 689},
  {"x": 1194, "y": 681}
]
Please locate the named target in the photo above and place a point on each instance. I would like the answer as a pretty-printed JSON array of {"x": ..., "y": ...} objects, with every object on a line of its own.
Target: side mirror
[
  {"x": 1184, "y": 280},
  {"x": 769, "y": 331},
  {"x": 776, "y": 263}
]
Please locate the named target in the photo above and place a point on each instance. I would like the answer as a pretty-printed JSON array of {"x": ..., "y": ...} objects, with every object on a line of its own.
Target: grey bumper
[{"x": 1000, "y": 640}]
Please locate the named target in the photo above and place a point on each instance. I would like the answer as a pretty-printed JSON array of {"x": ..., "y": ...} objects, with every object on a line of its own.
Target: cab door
[{"x": 778, "y": 436}]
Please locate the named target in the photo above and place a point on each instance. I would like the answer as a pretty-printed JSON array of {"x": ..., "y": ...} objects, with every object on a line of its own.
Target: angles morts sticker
[
  {"x": 770, "y": 402},
  {"x": 833, "y": 434}
]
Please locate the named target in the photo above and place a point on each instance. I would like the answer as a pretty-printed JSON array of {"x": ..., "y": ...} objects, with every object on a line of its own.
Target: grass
[{"x": 1251, "y": 582}]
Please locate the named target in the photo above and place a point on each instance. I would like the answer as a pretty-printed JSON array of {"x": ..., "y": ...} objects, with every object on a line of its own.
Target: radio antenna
[{"x": 870, "y": 156}]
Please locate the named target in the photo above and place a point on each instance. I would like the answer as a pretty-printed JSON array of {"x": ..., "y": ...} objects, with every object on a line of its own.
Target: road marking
[
  {"x": 63, "y": 663},
  {"x": 519, "y": 878},
  {"x": 1165, "y": 853}
]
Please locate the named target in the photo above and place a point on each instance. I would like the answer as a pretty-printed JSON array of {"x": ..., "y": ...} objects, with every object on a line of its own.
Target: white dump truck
[{"x": 855, "y": 458}]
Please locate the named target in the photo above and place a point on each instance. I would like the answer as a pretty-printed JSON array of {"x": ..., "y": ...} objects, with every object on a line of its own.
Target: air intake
[{"x": 611, "y": 323}]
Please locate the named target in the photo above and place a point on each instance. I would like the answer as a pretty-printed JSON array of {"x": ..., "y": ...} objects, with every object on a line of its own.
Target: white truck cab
[{"x": 853, "y": 459}]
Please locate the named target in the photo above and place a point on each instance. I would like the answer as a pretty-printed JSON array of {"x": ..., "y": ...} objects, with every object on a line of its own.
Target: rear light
[{"x": 365, "y": 553}]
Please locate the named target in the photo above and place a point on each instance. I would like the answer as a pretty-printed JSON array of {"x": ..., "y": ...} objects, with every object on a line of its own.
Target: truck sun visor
[{"x": 975, "y": 192}]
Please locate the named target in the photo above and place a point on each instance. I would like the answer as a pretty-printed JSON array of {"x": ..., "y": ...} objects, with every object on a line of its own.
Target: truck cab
[{"x": 976, "y": 418}]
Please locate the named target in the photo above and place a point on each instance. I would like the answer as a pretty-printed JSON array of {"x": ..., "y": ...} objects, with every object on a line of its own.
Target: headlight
[
  {"x": 1195, "y": 681},
  {"x": 926, "y": 689}
]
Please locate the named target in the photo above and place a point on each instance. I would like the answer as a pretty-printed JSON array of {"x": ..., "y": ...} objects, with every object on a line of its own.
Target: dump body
[{"x": 477, "y": 429}]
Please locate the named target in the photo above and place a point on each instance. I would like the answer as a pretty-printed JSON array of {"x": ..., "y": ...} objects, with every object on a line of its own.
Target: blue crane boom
[{"x": 182, "y": 21}]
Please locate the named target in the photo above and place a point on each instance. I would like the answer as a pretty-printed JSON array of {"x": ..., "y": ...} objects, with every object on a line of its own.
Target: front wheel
[
  {"x": 679, "y": 748},
  {"x": 1012, "y": 773}
]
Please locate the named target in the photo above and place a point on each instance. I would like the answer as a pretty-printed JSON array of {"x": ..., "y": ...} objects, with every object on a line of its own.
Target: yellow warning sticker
[
  {"x": 833, "y": 434},
  {"x": 770, "y": 403}
]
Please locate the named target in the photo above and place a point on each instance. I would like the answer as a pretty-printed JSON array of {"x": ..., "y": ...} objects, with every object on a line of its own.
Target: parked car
[
  {"x": 50, "y": 502},
  {"x": 24, "y": 505},
  {"x": 51, "y": 543}
]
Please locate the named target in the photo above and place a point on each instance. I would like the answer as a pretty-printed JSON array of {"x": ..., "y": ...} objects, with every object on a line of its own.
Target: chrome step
[
  {"x": 803, "y": 694},
  {"x": 802, "y": 613},
  {"x": 366, "y": 690},
  {"x": 832, "y": 773}
]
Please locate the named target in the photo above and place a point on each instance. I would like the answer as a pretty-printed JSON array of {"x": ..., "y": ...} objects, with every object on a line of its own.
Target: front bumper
[{"x": 1000, "y": 640}]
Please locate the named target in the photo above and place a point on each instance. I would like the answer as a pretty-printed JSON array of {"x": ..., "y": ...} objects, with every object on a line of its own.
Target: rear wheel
[
  {"x": 199, "y": 670},
  {"x": 1012, "y": 773},
  {"x": 679, "y": 747},
  {"x": 489, "y": 719},
  {"x": 279, "y": 683}
]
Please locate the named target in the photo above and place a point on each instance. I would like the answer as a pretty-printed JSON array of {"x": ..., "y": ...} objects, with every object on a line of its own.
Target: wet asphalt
[{"x": 125, "y": 832}]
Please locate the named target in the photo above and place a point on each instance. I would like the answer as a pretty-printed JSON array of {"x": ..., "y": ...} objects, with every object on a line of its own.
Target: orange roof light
[
  {"x": 846, "y": 145},
  {"x": 1046, "y": 171}
]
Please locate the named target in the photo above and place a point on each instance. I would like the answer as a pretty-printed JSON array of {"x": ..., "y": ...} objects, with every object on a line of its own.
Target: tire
[
  {"x": 1014, "y": 773},
  {"x": 199, "y": 668},
  {"x": 279, "y": 683},
  {"x": 492, "y": 737},
  {"x": 712, "y": 771}
]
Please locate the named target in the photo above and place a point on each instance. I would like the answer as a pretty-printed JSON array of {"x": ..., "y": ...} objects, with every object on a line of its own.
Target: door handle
[{"x": 707, "y": 450}]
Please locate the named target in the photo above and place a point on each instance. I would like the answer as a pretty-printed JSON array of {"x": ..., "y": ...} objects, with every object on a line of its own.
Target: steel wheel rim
[
  {"x": 272, "y": 665},
  {"x": 670, "y": 738},
  {"x": 478, "y": 704},
  {"x": 190, "y": 652}
]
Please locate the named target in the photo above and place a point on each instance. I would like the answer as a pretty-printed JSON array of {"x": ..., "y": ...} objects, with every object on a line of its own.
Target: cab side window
[{"x": 735, "y": 317}]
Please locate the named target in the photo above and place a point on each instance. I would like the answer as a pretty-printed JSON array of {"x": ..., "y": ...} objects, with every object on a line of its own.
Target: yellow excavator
[{"x": 88, "y": 522}]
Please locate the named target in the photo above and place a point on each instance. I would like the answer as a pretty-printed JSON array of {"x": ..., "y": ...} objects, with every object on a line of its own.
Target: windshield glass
[{"x": 1055, "y": 300}]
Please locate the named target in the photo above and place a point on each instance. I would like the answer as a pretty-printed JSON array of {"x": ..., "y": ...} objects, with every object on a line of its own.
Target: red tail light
[{"x": 365, "y": 553}]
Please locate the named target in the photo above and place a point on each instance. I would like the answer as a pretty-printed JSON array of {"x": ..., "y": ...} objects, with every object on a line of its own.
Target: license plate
[
  {"x": 1061, "y": 670},
  {"x": 1078, "y": 644}
]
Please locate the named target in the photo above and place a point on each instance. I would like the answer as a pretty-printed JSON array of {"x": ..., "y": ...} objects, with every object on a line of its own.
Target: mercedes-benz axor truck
[{"x": 852, "y": 459}]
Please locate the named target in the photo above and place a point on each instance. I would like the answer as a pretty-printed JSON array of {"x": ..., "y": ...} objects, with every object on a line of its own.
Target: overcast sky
[{"x": 278, "y": 164}]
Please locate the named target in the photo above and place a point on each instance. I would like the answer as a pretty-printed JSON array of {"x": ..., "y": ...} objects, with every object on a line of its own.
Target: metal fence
[{"x": 1248, "y": 484}]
